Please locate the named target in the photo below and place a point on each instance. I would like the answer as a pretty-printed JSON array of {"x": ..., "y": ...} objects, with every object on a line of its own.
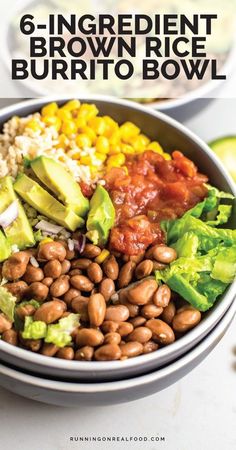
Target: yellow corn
[
  {"x": 98, "y": 124},
  {"x": 87, "y": 111},
  {"x": 62, "y": 141},
  {"x": 50, "y": 109},
  {"x": 101, "y": 156},
  {"x": 64, "y": 114},
  {"x": 80, "y": 123},
  {"x": 116, "y": 160},
  {"x": 139, "y": 143},
  {"x": 68, "y": 127},
  {"x": 167, "y": 156},
  {"x": 71, "y": 105},
  {"x": 102, "y": 144},
  {"x": 155, "y": 147},
  {"x": 126, "y": 170},
  {"x": 103, "y": 255},
  {"x": 52, "y": 121},
  {"x": 127, "y": 149},
  {"x": 34, "y": 125},
  {"x": 83, "y": 141},
  {"x": 44, "y": 241},
  {"x": 90, "y": 133},
  {"x": 111, "y": 126},
  {"x": 128, "y": 130},
  {"x": 85, "y": 160}
]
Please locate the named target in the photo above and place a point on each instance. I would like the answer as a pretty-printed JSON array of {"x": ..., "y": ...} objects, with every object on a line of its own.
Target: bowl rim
[
  {"x": 221, "y": 307},
  {"x": 140, "y": 381}
]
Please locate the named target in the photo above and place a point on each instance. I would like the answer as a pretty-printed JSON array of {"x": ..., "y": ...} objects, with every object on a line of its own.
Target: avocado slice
[
  {"x": 101, "y": 216},
  {"x": 59, "y": 181},
  {"x": 46, "y": 204},
  {"x": 5, "y": 248},
  {"x": 20, "y": 232},
  {"x": 225, "y": 149}
]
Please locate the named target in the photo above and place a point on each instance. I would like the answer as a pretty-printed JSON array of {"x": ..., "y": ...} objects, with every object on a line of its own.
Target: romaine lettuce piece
[
  {"x": 7, "y": 303},
  {"x": 187, "y": 245},
  {"x": 60, "y": 333},
  {"x": 225, "y": 265},
  {"x": 34, "y": 329}
]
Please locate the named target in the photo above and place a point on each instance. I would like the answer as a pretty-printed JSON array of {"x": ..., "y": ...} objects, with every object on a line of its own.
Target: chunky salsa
[{"x": 152, "y": 189}]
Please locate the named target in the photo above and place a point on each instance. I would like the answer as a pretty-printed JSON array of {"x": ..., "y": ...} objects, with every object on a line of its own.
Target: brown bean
[
  {"x": 94, "y": 272},
  {"x": 69, "y": 295},
  {"x": 66, "y": 353},
  {"x": 185, "y": 319},
  {"x": 125, "y": 328},
  {"x": 82, "y": 283},
  {"x": 91, "y": 251},
  {"x": 164, "y": 254},
  {"x": 32, "y": 344},
  {"x": 138, "y": 321},
  {"x": 53, "y": 269},
  {"x": 134, "y": 258},
  {"x": 96, "y": 309},
  {"x": 168, "y": 313},
  {"x": 149, "y": 347},
  {"x": 107, "y": 352},
  {"x": 74, "y": 272},
  {"x": 151, "y": 311},
  {"x": 33, "y": 274},
  {"x": 80, "y": 305},
  {"x": 140, "y": 334},
  {"x": 159, "y": 266},
  {"x": 107, "y": 288},
  {"x": 15, "y": 266},
  {"x": 131, "y": 349},
  {"x": 18, "y": 289},
  {"x": 162, "y": 296},
  {"x": 51, "y": 311},
  {"x": 111, "y": 268},
  {"x": 112, "y": 338},
  {"x": 161, "y": 332},
  {"x": 38, "y": 291},
  {"x": 25, "y": 310},
  {"x": 89, "y": 336},
  {"x": 123, "y": 299},
  {"x": 49, "y": 349},
  {"x": 142, "y": 293},
  {"x": 50, "y": 251},
  {"x": 117, "y": 313},
  {"x": 47, "y": 281},
  {"x": 81, "y": 263},
  {"x": 109, "y": 326},
  {"x": 65, "y": 266},
  {"x": 10, "y": 336},
  {"x": 126, "y": 274},
  {"x": 60, "y": 286},
  {"x": 144, "y": 269},
  {"x": 84, "y": 353}
]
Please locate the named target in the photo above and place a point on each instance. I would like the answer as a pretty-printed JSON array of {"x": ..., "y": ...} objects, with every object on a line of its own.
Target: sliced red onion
[
  {"x": 71, "y": 245},
  {"x": 80, "y": 243},
  {"x": 48, "y": 227},
  {"x": 9, "y": 215}
]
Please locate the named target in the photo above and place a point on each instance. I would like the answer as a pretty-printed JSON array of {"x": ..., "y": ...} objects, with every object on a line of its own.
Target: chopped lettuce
[
  {"x": 187, "y": 245},
  {"x": 7, "y": 303},
  {"x": 32, "y": 302},
  {"x": 34, "y": 329},
  {"x": 60, "y": 333},
  {"x": 225, "y": 265}
]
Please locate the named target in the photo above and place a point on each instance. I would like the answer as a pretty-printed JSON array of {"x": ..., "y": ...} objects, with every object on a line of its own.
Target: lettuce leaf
[
  {"x": 60, "y": 333},
  {"x": 7, "y": 303},
  {"x": 34, "y": 329},
  {"x": 225, "y": 265}
]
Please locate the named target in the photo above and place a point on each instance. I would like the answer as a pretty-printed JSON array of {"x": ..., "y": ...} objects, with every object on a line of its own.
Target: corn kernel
[
  {"x": 101, "y": 156},
  {"x": 98, "y": 124},
  {"x": 139, "y": 143},
  {"x": 125, "y": 170},
  {"x": 85, "y": 160},
  {"x": 87, "y": 111},
  {"x": 127, "y": 149},
  {"x": 111, "y": 126},
  {"x": 75, "y": 155},
  {"x": 115, "y": 149},
  {"x": 45, "y": 241},
  {"x": 155, "y": 147},
  {"x": 116, "y": 160},
  {"x": 83, "y": 141},
  {"x": 93, "y": 169},
  {"x": 167, "y": 156},
  {"x": 71, "y": 105},
  {"x": 52, "y": 121},
  {"x": 64, "y": 114},
  {"x": 34, "y": 125},
  {"x": 103, "y": 255},
  {"x": 62, "y": 141},
  {"x": 50, "y": 109},
  {"x": 102, "y": 144},
  {"x": 90, "y": 133},
  {"x": 69, "y": 127},
  {"x": 128, "y": 130}
]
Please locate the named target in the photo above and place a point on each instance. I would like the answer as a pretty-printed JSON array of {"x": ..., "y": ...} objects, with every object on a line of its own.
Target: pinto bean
[
  {"x": 33, "y": 274},
  {"x": 69, "y": 295},
  {"x": 51, "y": 311},
  {"x": 66, "y": 353},
  {"x": 38, "y": 291},
  {"x": 168, "y": 313},
  {"x": 5, "y": 323},
  {"x": 96, "y": 309},
  {"x": 117, "y": 313},
  {"x": 32, "y": 344},
  {"x": 185, "y": 319},
  {"x": 142, "y": 293},
  {"x": 144, "y": 269},
  {"x": 112, "y": 338},
  {"x": 131, "y": 349},
  {"x": 51, "y": 250},
  {"x": 91, "y": 251},
  {"x": 10, "y": 336},
  {"x": 133, "y": 309},
  {"x": 161, "y": 331},
  {"x": 84, "y": 353},
  {"x": 47, "y": 281},
  {"x": 138, "y": 321},
  {"x": 126, "y": 274},
  {"x": 151, "y": 311},
  {"x": 111, "y": 268},
  {"x": 60, "y": 286},
  {"x": 82, "y": 283},
  {"x": 80, "y": 305},
  {"x": 18, "y": 289},
  {"x": 107, "y": 288},
  {"x": 94, "y": 272},
  {"x": 65, "y": 266},
  {"x": 149, "y": 347},
  {"x": 140, "y": 334},
  {"x": 74, "y": 272},
  {"x": 89, "y": 336},
  {"x": 108, "y": 352},
  {"x": 25, "y": 310},
  {"x": 15, "y": 266},
  {"x": 53, "y": 269},
  {"x": 164, "y": 254},
  {"x": 49, "y": 349},
  {"x": 125, "y": 328},
  {"x": 109, "y": 326},
  {"x": 162, "y": 296},
  {"x": 81, "y": 263}
]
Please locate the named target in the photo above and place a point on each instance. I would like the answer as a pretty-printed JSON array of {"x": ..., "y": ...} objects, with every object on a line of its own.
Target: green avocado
[
  {"x": 59, "y": 181},
  {"x": 101, "y": 217},
  {"x": 225, "y": 148},
  {"x": 20, "y": 232},
  {"x": 5, "y": 248},
  {"x": 46, "y": 204}
]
